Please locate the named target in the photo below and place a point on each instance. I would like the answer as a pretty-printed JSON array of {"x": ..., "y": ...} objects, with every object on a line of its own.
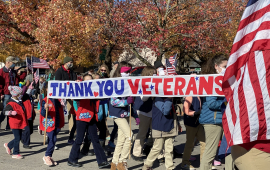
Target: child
[
  {"x": 17, "y": 112},
  {"x": 55, "y": 121},
  {"x": 119, "y": 110},
  {"x": 164, "y": 128},
  {"x": 86, "y": 119},
  {"x": 143, "y": 107}
]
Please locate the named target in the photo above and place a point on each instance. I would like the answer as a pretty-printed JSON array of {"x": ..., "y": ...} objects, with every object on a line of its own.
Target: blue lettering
[
  {"x": 100, "y": 87},
  {"x": 79, "y": 89},
  {"x": 54, "y": 85},
  {"x": 87, "y": 89},
  {"x": 108, "y": 89},
  {"x": 121, "y": 91},
  {"x": 71, "y": 90},
  {"x": 63, "y": 90}
]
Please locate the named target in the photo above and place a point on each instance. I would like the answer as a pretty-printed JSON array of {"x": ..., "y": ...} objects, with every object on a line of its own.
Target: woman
[
  {"x": 103, "y": 71},
  {"x": 211, "y": 115}
]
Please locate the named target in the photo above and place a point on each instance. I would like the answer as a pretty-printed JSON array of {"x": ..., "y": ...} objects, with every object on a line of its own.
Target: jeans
[
  {"x": 52, "y": 138},
  {"x": 73, "y": 129},
  {"x": 114, "y": 131},
  {"x": 15, "y": 143},
  {"x": 92, "y": 131},
  {"x": 28, "y": 130},
  {"x": 102, "y": 129},
  {"x": 6, "y": 98}
]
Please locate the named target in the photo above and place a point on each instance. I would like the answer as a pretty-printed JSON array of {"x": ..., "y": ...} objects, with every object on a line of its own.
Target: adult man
[
  {"x": 8, "y": 77},
  {"x": 115, "y": 65},
  {"x": 66, "y": 73}
]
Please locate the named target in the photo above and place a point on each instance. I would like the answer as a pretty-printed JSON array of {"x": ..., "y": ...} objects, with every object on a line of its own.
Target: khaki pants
[
  {"x": 191, "y": 133},
  {"x": 253, "y": 159},
  {"x": 123, "y": 144},
  {"x": 157, "y": 148},
  {"x": 70, "y": 117},
  {"x": 229, "y": 165},
  {"x": 145, "y": 124},
  {"x": 212, "y": 136}
]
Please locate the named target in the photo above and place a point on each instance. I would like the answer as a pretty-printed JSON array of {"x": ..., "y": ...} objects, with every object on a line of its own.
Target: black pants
[
  {"x": 92, "y": 131},
  {"x": 73, "y": 129},
  {"x": 114, "y": 131},
  {"x": 102, "y": 129},
  {"x": 28, "y": 130}
]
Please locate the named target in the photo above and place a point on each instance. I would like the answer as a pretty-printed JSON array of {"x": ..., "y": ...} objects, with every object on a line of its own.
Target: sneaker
[
  {"x": 147, "y": 168},
  {"x": 187, "y": 167},
  {"x": 17, "y": 156},
  {"x": 56, "y": 148},
  {"x": 213, "y": 167},
  {"x": 192, "y": 158},
  {"x": 39, "y": 131},
  {"x": 111, "y": 144},
  {"x": 7, "y": 148},
  {"x": 70, "y": 142},
  {"x": 217, "y": 163},
  {"x": 47, "y": 161},
  {"x": 54, "y": 163}
]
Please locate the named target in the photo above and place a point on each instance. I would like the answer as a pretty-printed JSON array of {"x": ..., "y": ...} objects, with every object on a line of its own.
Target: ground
[{"x": 33, "y": 157}]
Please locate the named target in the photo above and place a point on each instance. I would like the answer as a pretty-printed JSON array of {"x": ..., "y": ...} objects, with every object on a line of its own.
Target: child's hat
[{"x": 14, "y": 90}]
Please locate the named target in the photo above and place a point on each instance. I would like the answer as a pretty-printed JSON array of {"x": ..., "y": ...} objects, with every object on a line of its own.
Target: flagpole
[
  {"x": 32, "y": 69},
  {"x": 44, "y": 142}
]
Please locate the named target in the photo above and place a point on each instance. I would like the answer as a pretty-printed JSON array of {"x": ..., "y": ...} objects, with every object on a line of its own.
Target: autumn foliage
[{"x": 82, "y": 28}]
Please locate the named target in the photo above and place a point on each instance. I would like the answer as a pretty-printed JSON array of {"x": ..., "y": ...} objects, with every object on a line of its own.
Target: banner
[{"x": 170, "y": 86}]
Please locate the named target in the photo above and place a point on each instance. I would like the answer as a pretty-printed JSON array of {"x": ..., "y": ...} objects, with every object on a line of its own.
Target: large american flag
[
  {"x": 171, "y": 64},
  {"x": 246, "y": 83},
  {"x": 39, "y": 63}
]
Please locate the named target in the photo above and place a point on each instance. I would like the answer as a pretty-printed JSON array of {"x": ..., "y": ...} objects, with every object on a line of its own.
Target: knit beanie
[
  {"x": 14, "y": 90},
  {"x": 67, "y": 59},
  {"x": 158, "y": 64}
]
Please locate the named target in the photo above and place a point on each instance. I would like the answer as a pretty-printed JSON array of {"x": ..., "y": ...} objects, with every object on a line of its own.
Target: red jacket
[
  {"x": 86, "y": 111},
  {"x": 29, "y": 110},
  {"x": 4, "y": 80},
  {"x": 19, "y": 121},
  {"x": 51, "y": 118}
]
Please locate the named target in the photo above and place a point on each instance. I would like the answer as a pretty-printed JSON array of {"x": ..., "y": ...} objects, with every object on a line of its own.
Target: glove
[
  {"x": 137, "y": 121},
  {"x": 9, "y": 113},
  {"x": 197, "y": 113},
  {"x": 130, "y": 100}
]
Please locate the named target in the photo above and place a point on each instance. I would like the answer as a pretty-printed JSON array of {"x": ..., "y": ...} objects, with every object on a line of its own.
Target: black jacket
[{"x": 61, "y": 74}]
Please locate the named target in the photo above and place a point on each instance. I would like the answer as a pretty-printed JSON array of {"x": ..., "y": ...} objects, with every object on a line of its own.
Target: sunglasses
[{"x": 102, "y": 70}]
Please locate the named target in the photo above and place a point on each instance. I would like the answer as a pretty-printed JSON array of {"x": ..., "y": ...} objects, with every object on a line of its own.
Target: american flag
[
  {"x": 246, "y": 81},
  {"x": 36, "y": 76},
  {"x": 171, "y": 64},
  {"x": 29, "y": 63},
  {"x": 39, "y": 63}
]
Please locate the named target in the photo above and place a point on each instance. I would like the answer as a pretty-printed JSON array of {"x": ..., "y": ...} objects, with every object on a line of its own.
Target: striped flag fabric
[
  {"x": 29, "y": 63},
  {"x": 39, "y": 63},
  {"x": 36, "y": 76},
  {"x": 171, "y": 64},
  {"x": 246, "y": 81}
]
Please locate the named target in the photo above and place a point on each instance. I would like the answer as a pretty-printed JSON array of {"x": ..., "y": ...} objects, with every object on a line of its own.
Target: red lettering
[
  {"x": 218, "y": 81},
  {"x": 192, "y": 87},
  {"x": 178, "y": 89},
  {"x": 134, "y": 87},
  {"x": 166, "y": 86},
  {"x": 156, "y": 81},
  {"x": 207, "y": 86},
  {"x": 145, "y": 86}
]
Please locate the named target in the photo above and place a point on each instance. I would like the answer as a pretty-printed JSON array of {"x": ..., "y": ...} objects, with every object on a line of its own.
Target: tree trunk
[{"x": 108, "y": 56}]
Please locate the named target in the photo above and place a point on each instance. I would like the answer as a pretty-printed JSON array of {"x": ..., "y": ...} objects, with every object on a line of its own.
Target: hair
[
  {"x": 95, "y": 75},
  {"x": 44, "y": 89},
  {"x": 209, "y": 67},
  {"x": 149, "y": 71},
  {"x": 106, "y": 67},
  {"x": 117, "y": 72},
  {"x": 42, "y": 78},
  {"x": 87, "y": 75}
]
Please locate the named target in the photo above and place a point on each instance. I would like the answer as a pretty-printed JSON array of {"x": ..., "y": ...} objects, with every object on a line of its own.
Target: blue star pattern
[
  {"x": 84, "y": 115},
  {"x": 196, "y": 78},
  {"x": 50, "y": 122},
  {"x": 152, "y": 87},
  {"x": 140, "y": 91}
]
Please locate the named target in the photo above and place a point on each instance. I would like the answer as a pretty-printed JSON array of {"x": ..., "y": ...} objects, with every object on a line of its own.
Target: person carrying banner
[
  {"x": 55, "y": 121},
  {"x": 65, "y": 73},
  {"x": 86, "y": 120},
  {"x": 192, "y": 110},
  {"x": 120, "y": 111},
  {"x": 143, "y": 107},
  {"x": 9, "y": 77},
  {"x": 211, "y": 115},
  {"x": 17, "y": 110},
  {"x": 164, "y": 128}
]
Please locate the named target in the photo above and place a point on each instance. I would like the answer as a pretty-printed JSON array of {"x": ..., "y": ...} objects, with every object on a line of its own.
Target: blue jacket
[
  {"x": 119, "y": 108},
  {"x": 211, "y": 110},
  {"x": 162, "y": 118},
  {"x": 144, "y": 106}
]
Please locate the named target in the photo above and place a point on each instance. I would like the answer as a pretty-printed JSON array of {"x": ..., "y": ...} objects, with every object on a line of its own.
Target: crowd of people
[{"x": 156, "y": 117}]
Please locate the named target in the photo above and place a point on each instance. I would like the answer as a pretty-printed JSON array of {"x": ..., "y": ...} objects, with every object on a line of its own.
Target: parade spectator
[
  {"x": 9, "y": 77},
  {"x": 211, "y": 115}
]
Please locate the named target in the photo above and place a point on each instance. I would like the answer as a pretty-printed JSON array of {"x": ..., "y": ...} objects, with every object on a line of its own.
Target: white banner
[{"x": 170, "y": 86}]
